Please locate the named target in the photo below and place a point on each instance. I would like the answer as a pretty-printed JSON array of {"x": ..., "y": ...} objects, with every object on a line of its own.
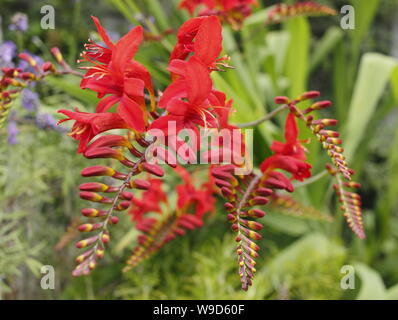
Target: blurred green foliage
[{"x": 301, "y": 258}]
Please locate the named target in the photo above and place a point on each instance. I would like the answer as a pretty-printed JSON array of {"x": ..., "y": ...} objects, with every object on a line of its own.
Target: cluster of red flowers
[
  {"x": 117, "y": 79},
  {"x": 190, "y": 101},
  {"x": 288, "y": 156},
  {"x": 231, "y": 11},
  {"x": 191, "y": 205}
]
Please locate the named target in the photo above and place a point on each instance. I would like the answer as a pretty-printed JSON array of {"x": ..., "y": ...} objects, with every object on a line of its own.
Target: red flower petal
[
  {"x": 102, "y": 32},
  {"x": 198, "y": 81},
  {"x": 208, "y": 43},
  {"x": 132, "y": 113}
]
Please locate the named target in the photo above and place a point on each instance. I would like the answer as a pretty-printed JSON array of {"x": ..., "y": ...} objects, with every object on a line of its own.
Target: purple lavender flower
[
  {"x": 47, "y": 121},
  {"x": 19, "y": 22},
  {"x": 30, "y": 100},
  {"x": 12, "y": 131},
  {"x": 7, "y": 53}
]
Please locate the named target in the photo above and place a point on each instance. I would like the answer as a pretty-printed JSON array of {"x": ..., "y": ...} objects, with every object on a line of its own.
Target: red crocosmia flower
[
  {"x": 198, "y": 201},
  {"x": 120, "y": 77},
  {"x": 201, "y": 36},
  {"x": 292, "y": 146},
  {"x": 299, "y": 169},
  {"x": 196, "y": 111},
  {"x": 149, "y": 202},
  {"x": 88, "y": 125}
]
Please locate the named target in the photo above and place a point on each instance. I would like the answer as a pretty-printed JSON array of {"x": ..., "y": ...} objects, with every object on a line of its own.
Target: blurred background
[{"x": 303, "y": 248}]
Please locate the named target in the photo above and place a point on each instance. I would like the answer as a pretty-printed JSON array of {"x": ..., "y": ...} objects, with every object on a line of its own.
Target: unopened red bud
[
  {"x": 126, "y": 195},
  {"x": 105, "y": 238},
  {"x": 92, "y": 264},
  {"x": 93, "y": 213},
  {"x": 258, "y": 201},
  {"x": 334, "y": 141},
  {"x": 309, "y": 95},
  {"x": 222, "y": 183},
  {"x": 351, "y": 184},
  {"x": 110, "y": 140},
  {"x": 229, "y": 207},
  {"x": 10, "y": 72},
  {"x": 123, "y": 205},
  {"x": 29, "y": 59},
  {"x": 231, "y": 218},
  {"x": 91, "y": 196},
  {"x": 282, "y": 100},
  {"x": 113, "y": 220},
  {"x": 27, "y": 76},
  {"x": 325, "y": 122},
  {"x": 265, "y": 192},
  {"x": 251, "y": 224},
  {"x": 97, "y": 171},
  {"x": 86, "y": 242},
  {"x": 99, "y": 253},
  {"x": 104, "y": 152},
  {"x": 250, "y": 233},
  {"x": 83, "y": 256},
  {"x": 48, "y": 67},
  {"x": 140, "y": 184},
  {"x": 87, "y": 227},
  {"x": 57, "y": 55},
  {"x": 153, "y": 169},
  {"x": 321, "y": 105},
  {"x": 94, "y": 186},
  {"x": 256, "y": 213},
  {"x": 329, "y": 133}
]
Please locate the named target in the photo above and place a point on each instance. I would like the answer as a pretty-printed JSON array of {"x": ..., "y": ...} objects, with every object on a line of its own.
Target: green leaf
[
  {"x": 365, "y": 12},
  {"x": 392, "y": 293},
  {"x": 394, "y": 84},
  {"x": 374, "y": 74},
  {"x": 73, "y": 89},
  {"x": 372, "y": 287},
  {"x": 298, "y": 55},
  {"x": 325, "y": 46}
]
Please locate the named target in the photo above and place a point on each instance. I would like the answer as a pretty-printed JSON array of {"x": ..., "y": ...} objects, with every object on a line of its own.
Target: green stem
[{"x": 267, "y": 117}]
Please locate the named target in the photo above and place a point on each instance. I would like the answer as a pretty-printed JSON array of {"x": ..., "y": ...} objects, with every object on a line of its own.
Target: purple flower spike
[
  {"x": 7, "y": 53},
  {"x": 19, "y": 22},
  {"x": 47, "y": 121},
  {"x": 30, "y": 100},
  {"x": 13, "y": 131}
]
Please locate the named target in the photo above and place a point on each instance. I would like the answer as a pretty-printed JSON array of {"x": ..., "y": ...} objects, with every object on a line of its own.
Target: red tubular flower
[
  {"x": 292, "y": 146},
  {"x": 88, "y": 125},
  {"x": 203, "y": 36},
  {"x": 198, "y": 201},
  {"x": 149, "y": 201},
  {"x": 197, "y": 110},
  {"x": 299, "y": 169},
  {"x": 288, "y": 156},
  {"x": 117, "y": 75}
]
